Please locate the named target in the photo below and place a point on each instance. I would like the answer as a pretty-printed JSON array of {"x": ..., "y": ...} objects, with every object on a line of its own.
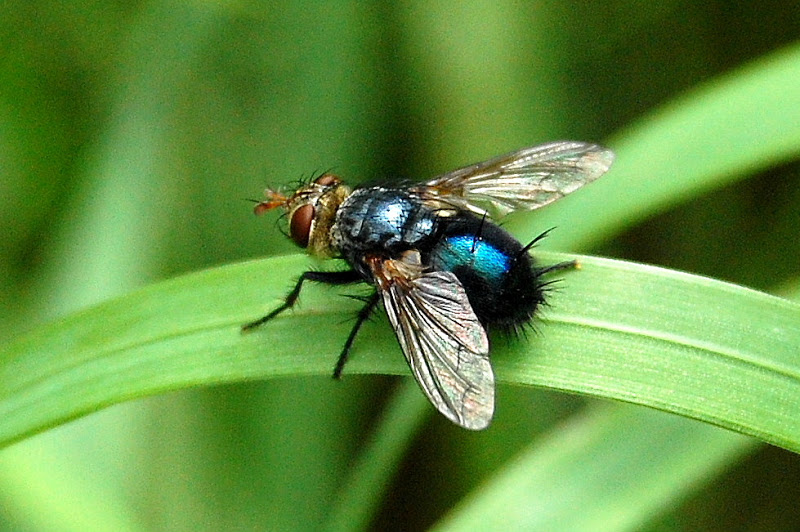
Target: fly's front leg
[{"x": 332, "y": 278}]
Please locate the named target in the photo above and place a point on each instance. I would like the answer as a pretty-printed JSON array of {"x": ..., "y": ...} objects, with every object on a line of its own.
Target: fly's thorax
[
  {"x": 383, "y": 220},
  {"x": 311, "y": 212}
]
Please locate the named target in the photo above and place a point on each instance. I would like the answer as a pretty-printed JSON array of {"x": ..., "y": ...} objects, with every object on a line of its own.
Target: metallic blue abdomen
[
  {"x": 469, "y": 251},
  {"x": 495, "y": 270}
]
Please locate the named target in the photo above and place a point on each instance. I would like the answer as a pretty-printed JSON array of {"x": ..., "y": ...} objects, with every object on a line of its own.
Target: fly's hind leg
[
  {"x": 568, "y": 265},
  {"x": 332, "y": 278},
  {"x": 363, "y": 315}
]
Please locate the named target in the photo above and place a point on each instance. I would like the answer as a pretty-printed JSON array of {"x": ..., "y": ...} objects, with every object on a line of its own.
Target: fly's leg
[
  {"x": 568, "y": 265},
  {"x": 363, "y": 315},
  {"x": 332, "y": 278}
]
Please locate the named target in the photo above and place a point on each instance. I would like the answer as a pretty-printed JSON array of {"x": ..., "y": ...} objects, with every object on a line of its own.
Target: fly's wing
[
  {"x": 445, "y": 346},
  {"x": 524, "y": 179}
]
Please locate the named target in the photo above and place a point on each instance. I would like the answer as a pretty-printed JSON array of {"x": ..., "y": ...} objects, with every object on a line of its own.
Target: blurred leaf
[
  {"x": 43, "y": 490},
  {"x": 733, "y": 126},
  {"x": 380, "y": 457},
  {"x": 619, "y": 465},
  {"x": 112, "y": 235},
  {"x": 466, "y": 77}
]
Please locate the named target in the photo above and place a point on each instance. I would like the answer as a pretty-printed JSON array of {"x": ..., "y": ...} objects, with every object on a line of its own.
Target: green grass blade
[
  {"x": 681, "y": 343},
  {"x": 621, "y": 466}
]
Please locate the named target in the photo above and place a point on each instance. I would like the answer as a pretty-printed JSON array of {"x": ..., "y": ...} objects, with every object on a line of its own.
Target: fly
[{"x": 443, "y": 270}]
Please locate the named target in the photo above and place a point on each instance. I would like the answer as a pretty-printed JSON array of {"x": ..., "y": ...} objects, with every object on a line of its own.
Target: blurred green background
[{"x": 131, "y": 132}]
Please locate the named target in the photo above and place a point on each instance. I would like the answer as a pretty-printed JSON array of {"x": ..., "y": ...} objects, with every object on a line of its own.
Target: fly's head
[{"x": 311, "y": 211}]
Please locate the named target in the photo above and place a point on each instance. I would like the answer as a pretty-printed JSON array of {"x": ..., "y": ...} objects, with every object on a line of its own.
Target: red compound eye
[
  {"x": 326, "y": 180},
  {"x": 300, "y": 225}
]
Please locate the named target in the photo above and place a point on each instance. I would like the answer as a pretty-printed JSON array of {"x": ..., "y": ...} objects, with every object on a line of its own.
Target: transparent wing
[
  {"x": 524, "y": 179},
  {"x": 445, "y": 346}
]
